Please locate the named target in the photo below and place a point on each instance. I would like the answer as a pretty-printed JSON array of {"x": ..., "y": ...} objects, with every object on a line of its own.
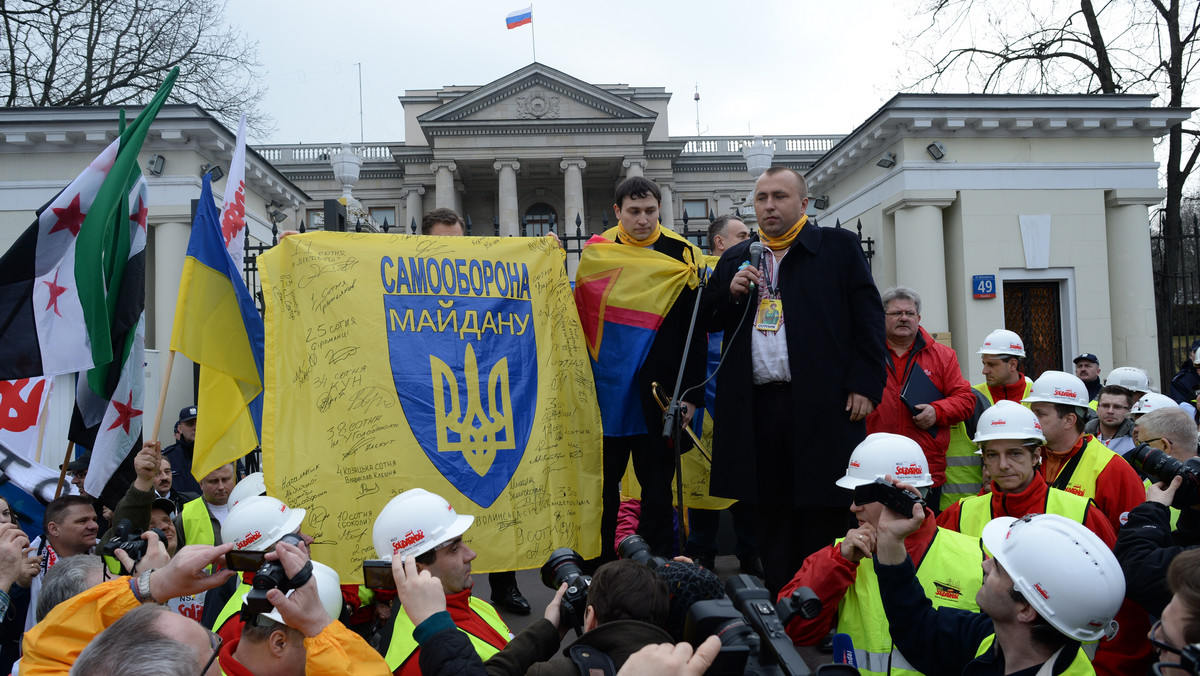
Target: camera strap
[
  {"x": 1064, "y": 476},
  {"x": 302, "y": 577},
  {"x": 591, "y": 662}
]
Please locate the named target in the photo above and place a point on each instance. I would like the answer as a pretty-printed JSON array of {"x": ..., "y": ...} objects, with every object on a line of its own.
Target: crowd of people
[{"x": 1016, "y": 526}]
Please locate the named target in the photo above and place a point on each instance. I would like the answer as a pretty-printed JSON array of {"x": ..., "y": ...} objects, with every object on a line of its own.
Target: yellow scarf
[
  {"x": 786, "y": 239},
  {"x": 625, "y": 238}
]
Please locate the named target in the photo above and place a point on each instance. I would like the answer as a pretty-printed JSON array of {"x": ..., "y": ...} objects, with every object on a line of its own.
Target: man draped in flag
[
  {"x": 635, "y": 295},
  {"x": 72, "y": 296}
]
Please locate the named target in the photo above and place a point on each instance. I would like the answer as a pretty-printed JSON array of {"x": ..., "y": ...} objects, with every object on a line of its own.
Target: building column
[
  {"x": 443, "y": 185},
  {"x": 1131, "y": 279},
  {"x": 920, "y": 251},
  {"x": 725, "y": 204},
  {"x": 667, "y": 209},
  {"x": 572, "y": 169},
  {"x": 414, "y": 210},
  {"x": 170, "y": 248},
  {"x": 634, "y": 166},
  {"x": 510, "y": 219}
]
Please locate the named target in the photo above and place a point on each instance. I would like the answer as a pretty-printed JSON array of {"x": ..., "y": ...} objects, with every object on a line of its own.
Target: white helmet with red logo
[
  {"x": 415, "y": 522},
  {"x": 1152, "y": 401},
  {"x": 882, "y": 453},
  {"x": 259, "y": 521},
  {"x": 329, "y": 589},
  {"x": 1008, "y": 420},
  {"x": 1063, "y": 570},
  {"x": 1058, "y": 387},
  {"x": 250, "y": 485},
  {"x": 1129, "y": 377},
  {"x": 1003, "y": 341}
]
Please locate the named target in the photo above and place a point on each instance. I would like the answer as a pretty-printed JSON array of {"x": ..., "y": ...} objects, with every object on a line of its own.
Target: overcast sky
[{"x": 763, "y": 66}]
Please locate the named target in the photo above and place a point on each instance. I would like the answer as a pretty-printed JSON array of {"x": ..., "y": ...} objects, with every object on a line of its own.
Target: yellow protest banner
[{"x": 453, "y": 364}]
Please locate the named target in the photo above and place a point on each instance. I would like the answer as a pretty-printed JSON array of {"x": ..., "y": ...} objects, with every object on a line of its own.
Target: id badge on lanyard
[{"x": 769, "y": 317}]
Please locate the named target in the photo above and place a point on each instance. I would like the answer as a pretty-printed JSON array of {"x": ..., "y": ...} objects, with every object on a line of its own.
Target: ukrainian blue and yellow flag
[
  {"x": 218, "y": 327},
  {"x": 622, "y": 293}
]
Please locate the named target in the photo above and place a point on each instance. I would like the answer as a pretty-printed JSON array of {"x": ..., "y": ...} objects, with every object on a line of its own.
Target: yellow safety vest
[
  {"x": 1092, "y": 460},
  {"x": 1080, "y": 666},
  {"x": 964, "y": 468},
  {"x": 976, "y": 512},
  {"x": 197, "y": 523},
  {"x": 403, "y": 644},
  {"x": 950, "y": 573},
  {"x": 232, "y": 606},
  {"x": 1174, "y": 512}
]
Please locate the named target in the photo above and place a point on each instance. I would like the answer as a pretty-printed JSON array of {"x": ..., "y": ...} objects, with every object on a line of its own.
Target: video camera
[
  {"x": 129, "y": 539},
  {"x": 1161, "y": 467},
  {"x": 272, "y": 576}
]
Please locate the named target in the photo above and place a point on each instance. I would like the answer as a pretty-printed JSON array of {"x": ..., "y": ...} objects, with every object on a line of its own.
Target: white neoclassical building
[{"x": 1040, "y": 200}]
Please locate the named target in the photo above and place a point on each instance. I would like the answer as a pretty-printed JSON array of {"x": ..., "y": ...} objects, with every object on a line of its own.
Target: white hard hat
[
  {"x": 329, "y": 588},
  {"x": 1058, "y": 387},
  {"x": 1003, "y": 341},
  {"x": 415, "y": 522},
  {"x": 249, "y": 486},
  {"x": 258, "y": 522},
  {"x": 1129, "y": 377},
  {"x": 1152, "y": 401},
  {"x": 1063, "y": 570},
  {"x": 882, "y": 453},
  {"x": 1008, "y": 420}
]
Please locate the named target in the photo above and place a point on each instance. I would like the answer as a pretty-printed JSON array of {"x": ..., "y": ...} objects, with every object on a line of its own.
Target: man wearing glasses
[
  {"x": 1157, "y": 533},
  {"x": 1177, "y": 627},
  {"x": 925, "y": 393},
  {"x": 1112, "y": 425}
]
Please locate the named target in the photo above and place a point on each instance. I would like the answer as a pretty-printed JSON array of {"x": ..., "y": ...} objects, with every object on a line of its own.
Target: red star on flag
[
  {"x": 55, "y": 292},
  {"x": 140, "y": 214},
  {"x": 125, "y": 413},
  {"x": 69, "y": 218}
]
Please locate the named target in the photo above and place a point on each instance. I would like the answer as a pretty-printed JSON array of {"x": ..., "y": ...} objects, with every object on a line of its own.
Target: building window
[
  {"x": 538, "y": 219},
  {"x": 314, "y": 219},
  {"x": 696, "y": 209},
  {"x": 383, "y": 215}
]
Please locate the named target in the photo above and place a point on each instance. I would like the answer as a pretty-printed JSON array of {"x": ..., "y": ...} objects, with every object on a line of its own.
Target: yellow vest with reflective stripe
[
  {"x": 950, "y": 574},
  {"x": 1080, "y": 666},
  {"x": 403, "y": 644},
  {"x": 964, "y": 469},
  {"x": 233, "y": 605},
  {"x": 976, "y": 512}
]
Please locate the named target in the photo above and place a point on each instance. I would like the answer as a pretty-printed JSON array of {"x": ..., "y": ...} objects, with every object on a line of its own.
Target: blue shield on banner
[{"x": 466, "y": 374}]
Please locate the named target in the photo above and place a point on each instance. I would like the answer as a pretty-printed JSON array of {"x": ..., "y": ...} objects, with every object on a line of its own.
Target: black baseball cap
[
  {"x": 165, "y": 504},
  {"x": 79, "y": 464},
  {"x": 1086, "y": 356},
  {"x": 186, "y": 413}
]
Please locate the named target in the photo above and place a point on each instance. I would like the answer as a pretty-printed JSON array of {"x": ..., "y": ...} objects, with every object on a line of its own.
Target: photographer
[
  {"x": 1151, "y": 539},
  {"x": 1051, "y": 584},
  {"x": 948, "y": 562},
  {"x": 1178, "y": 627},
  {"x": 626, "y": 609}
]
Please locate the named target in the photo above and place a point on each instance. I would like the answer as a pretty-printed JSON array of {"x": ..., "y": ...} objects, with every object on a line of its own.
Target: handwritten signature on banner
[{"x": 452, "y": 364}]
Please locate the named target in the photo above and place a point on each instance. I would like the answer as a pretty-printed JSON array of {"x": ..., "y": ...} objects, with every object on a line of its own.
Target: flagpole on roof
[{"x": 532, "y": 35}]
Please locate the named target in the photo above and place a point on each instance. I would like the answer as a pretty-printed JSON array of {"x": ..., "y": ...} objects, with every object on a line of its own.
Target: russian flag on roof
[{"x": 519, "y": 17}]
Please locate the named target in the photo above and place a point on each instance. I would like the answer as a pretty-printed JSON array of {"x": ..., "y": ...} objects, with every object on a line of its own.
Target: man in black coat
[{"x": 804, "y": 333}]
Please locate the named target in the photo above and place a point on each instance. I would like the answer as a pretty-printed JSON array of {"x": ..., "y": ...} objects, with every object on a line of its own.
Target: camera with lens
[
  {"x": 751, "y": 628},
  {"x": 272, "y": 576},
  {"x": 1161, "y": 467},
  {"x": 564, "y": 566},
  {"x": 129, "y": 539},
  {"x": 635, "y": 547}
]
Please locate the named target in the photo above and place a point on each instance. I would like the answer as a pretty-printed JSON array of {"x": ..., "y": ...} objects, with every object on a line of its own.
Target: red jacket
[
  {"x": 940, "y": 363},
  {"x": 1118, "y": 488},
  {"x": 829, "y": 576}
]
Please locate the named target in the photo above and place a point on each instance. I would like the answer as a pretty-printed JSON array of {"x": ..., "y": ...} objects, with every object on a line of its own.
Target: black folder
[{"x": 919, "y": 389}]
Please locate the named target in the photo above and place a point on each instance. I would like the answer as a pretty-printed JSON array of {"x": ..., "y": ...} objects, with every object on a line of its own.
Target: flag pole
[
  {"x": 62, "y": 474},
  {"x": 162, "y": 395},
  {"x": 42, "y": 422},
  {"x": 532, "y": 35}
]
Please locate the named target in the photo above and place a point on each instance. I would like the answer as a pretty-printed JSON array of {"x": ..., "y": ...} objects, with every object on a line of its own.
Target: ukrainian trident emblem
[{"x": 466, "y": 376}]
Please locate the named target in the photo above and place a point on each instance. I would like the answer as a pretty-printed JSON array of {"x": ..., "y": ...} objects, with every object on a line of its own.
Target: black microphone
[{"x": 756, "y": 250}]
